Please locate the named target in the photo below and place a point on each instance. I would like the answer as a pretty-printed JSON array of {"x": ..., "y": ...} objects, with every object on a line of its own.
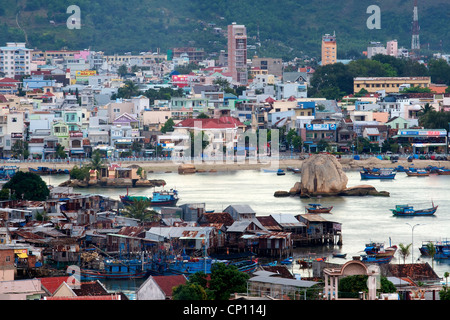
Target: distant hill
[{"x": 284, "y": 28}]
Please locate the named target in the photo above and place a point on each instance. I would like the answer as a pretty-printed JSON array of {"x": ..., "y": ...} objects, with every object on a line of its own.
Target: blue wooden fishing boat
[
  {"x": 378, "y": 174},
  {"x": 413, "y": 172},
  {"x": 280, "y": 172},
  {"x": 443, "y": 172},
  {"x": 164, "y": 198},
  {"x": 247, "y": 266},
  {"x": 116, "y": 269},
  {"x": 408, "y": 211},
  {"x": 375, "y": 259},
  {"x": 7, "y": 172},
  {"x": 442, "y": 249},
  {"x": 191, "y": 266}
]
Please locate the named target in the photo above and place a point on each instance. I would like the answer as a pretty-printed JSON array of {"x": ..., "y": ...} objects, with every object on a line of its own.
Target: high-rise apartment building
[
  {"x": 329, "y": 49},
  {"x": 237, "y": 53},
  {"x": 15, "y": 59}
]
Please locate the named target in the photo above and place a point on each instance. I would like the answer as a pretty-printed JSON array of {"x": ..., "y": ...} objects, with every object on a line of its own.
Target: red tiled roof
[
  {"x": 167, "y": 283},
  {"x": 52, "y": 283},
  {"x": 8, "y": 80}
]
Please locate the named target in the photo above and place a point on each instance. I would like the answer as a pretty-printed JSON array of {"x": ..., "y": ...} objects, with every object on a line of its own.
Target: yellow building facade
[{"x": 389, "y": 84}]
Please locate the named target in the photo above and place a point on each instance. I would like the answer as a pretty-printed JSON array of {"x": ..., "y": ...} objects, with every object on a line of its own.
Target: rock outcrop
[
  {"x": 186, "y": 168},
  {"x": 322, "y": 174}
]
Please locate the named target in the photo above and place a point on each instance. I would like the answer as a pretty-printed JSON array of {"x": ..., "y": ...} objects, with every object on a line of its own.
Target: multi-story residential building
[
  {"x": 194, "y": 54},
  {"x": 273, "y": 66},
  {"x": 15, "y": 59},
  {"x": 124, "y": 131},
  {"x": 237, "y": 53},
  {"x": 220, "y": 133},
  {"x": 329, "y": 49},
  {"x": 389, "y": 84},
  {"x": 392, "y": 48},
  {"x": 375, "y": 48},
  {"x": 60, "y": 130}
]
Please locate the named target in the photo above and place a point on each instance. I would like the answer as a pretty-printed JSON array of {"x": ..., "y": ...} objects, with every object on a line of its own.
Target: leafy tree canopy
[{"x": 27, "y": 186}]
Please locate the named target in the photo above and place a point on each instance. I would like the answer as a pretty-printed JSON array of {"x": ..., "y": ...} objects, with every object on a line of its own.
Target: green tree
[
  {"x": 323, "y": 145},
  {"x": 404, "y": 251},
  {"x": 97, "y": 162},
  {"x": 79, "y": 173},
  {"x": 20, "y": 149},
  {"x": 139, "y": 209},
  {"x": 60, "y": 153},
  {"x": 416, "y": 90},
  {"x": 431, "y": 251},
  {"x": 189, "y": 291},
  {"x": 202, "y": 116},
  {"x": 27, "y": 186},
  {"x": 168, "y": 126},
  {"x": 123, "y": 70},
  {"x": 358, "y": 283},
  {"x": 226, "y": 280},
  {"x": 127, "y": 91}
]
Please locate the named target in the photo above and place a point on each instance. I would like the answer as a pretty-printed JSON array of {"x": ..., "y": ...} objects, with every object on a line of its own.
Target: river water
[{"x": 363, "y": 219}]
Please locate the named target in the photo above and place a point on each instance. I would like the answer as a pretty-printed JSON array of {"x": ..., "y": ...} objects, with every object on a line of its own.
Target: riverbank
[{"x": 348, "y": 164}]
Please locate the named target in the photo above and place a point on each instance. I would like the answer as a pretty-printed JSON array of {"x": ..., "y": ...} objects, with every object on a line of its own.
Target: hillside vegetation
[{"x": 285, "y": 28}]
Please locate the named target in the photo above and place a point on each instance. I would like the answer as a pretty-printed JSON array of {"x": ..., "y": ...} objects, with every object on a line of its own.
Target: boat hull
[
  {"x": 365, "y": 175},
  {"x": 417, "y": 174},
  {"x": 412, "y": 213},
  {"x": 321, "y": 210},
  {"x": 88, "y": 274}
]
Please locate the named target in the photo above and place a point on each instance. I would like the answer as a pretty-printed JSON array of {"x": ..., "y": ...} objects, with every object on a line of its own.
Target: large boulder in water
[{"x": 322, "y": 174}]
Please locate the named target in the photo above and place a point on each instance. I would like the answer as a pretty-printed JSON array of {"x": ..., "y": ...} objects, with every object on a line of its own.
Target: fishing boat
[
  {"x": 270, "y": 264},
  {"x": 378, "y": 250},
  {"x": 116, "y": 269},
  {"x": 339, "y": 255},
  {"x": 375, "y": 259},
  {"x": 408, "y": 211},
  {"x": 442, "y": 249},
  {"x": 47, "y": 170},
  {"x": 317, "y": 208},
  {"x": 247, "y": 266},
  {"x": 378, "y": 174},
  {"x": 294, "y": 170},
  {"x": 287, "y": 261},
  {"x": 443, "y": 172},
  {"x": 412, "y": 172},
  {"x": 160, "y": 198},
  {"x": 280, "y": 172},
  {"x": 191, "y": 266},
  {"x": 7, "y": 172}
]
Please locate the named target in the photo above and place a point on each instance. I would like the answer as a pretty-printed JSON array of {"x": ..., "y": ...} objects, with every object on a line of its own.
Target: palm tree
[
  {"x": 96, "y": 161},
  {"x": 404, "y": 251},
  {"x": 139, "y": 209},
  {"x": 431, "y": 251}
]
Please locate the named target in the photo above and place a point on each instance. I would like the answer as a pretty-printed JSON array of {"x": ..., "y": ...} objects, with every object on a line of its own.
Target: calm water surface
[{"x": 363, "y": 219}]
